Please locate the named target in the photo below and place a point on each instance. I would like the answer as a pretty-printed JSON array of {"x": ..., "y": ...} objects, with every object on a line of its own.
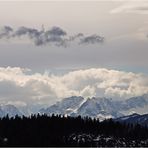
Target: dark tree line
[{"x": 57, "y": 130}]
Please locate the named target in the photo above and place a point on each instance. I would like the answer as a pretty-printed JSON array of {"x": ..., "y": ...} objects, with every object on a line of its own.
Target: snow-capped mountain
[
  {"x": 66, "y": 106},
  {"x": 93, "y": 107},
  {"x": 134, "y": 119},
  {"x": 98, "y": 107},
  {"x": 11, "y": 110}
]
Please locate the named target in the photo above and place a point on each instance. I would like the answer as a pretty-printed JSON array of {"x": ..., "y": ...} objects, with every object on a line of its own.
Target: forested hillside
[{"x": 42, "y": 130}]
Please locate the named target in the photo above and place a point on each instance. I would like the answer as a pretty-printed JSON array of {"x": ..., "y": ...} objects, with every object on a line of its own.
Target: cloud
[
  {"x": 24, "y": 30},
  {"x": 54, "y": 36},
  {"x": 92, "y": 39},
  {"x": 132, "y": 6},
  {"x": 5, "y": 32},
  {"x": 56, "y": 31},
  {"x": 22, "y": 88},
  {"x": 76, "y": 36}
]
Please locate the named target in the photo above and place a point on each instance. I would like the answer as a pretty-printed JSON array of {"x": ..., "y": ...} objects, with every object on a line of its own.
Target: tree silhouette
[{"x": 58, "y": 130}]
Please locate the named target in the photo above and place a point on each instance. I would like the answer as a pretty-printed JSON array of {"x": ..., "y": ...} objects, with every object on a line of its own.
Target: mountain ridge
[
  {"x": 97, "y": 106},
  {"x": 134, "y": 119}
]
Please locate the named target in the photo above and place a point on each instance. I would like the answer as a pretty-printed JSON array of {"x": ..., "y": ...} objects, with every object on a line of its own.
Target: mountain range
[{"x": 99, "y": 107}]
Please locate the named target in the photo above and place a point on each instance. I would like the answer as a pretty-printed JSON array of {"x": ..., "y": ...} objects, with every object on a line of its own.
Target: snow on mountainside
[
  {"x": 95, "y": 107},
  {"x": 98, "y": 107},
  {"x": 66, "y": 106},
  {"x": 102, "y": 108},
  {"x": 10, "y": 110}
]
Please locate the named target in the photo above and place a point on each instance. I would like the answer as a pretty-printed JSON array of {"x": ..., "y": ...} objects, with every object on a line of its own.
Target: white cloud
[
  {"x": 21, "y": 88},
  {"x": 132, "y": 6}
]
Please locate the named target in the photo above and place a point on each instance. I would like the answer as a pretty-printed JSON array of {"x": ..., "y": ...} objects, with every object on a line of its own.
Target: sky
[{"x": 50, "y": 50}]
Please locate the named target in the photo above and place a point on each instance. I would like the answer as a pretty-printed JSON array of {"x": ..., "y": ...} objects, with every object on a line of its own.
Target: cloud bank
[
  {"x": 56, "y": 36},
  {"x": 19, "y": 87}
]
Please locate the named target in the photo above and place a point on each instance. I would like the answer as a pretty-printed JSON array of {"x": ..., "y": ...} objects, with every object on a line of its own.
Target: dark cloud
[
  {"x": 92, "y": 39},
  {"x": 27, "y": 31},
  {"x": 56, "y": 31},
  {"x": 5, "y": 32},
  {"x": 55, "y": 36}
]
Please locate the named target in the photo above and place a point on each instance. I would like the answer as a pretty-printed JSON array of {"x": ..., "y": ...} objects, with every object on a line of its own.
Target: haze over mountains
[{"x": 9, "y": 110}]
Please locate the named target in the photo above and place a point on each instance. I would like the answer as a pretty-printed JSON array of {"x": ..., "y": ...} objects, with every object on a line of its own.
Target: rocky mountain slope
[{"x": 98, "y": 107}]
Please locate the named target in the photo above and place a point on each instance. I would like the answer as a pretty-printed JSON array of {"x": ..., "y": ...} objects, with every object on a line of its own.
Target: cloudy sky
[{"x": 55, "y": 49}]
